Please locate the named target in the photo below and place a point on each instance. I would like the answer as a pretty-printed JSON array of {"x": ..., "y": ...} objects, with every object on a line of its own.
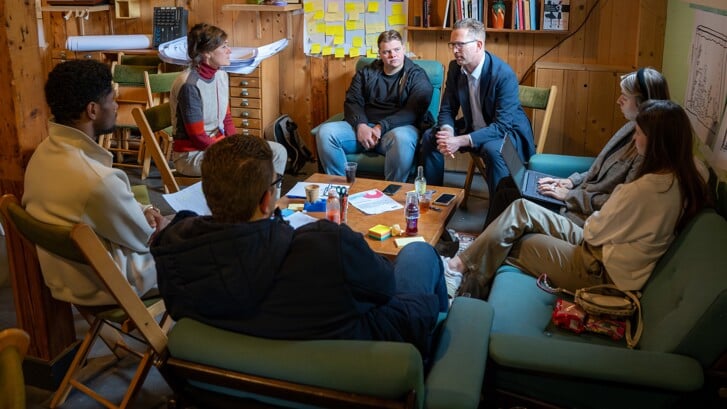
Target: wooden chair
[
  {"x": 13, "y": 347},
  {"x": 530, "y": 97},
  {"x": 137, "y": 59},
  {"x": 130, "y": 92},
  {"x": 158, "y": 88},
  {"x": 132, "y": 316},
  {"x": 152, "y": 124}
]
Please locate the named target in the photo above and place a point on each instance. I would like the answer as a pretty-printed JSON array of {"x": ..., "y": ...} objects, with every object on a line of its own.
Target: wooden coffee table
[{"x": 431, "y": 223}]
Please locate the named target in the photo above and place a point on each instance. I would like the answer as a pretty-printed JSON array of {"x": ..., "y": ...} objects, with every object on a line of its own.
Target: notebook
[{"x": 525, "y": 180}]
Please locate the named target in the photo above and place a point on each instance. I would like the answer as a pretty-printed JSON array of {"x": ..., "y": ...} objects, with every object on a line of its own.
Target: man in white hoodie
[{"x": 70, "y": 179}]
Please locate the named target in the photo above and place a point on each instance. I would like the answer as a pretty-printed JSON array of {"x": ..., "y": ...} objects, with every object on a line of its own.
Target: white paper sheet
[
  {"x": 189, "y": 198},
  {"x": 109, "y": 42},
  {"x": 298, "y": 191},
  {"x": 298, "y": 219},
  {"x": 373, "y": 202}
]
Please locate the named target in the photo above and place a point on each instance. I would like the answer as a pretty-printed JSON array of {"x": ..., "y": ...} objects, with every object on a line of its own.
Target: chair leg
[
  {"x": 468, "y": 183},
  {"x": 65, "y": 387},
  {"x": 137, "y": 381}
]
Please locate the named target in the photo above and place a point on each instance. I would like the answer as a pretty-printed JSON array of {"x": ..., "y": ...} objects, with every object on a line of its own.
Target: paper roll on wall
[{"x": 109, "y": 42}]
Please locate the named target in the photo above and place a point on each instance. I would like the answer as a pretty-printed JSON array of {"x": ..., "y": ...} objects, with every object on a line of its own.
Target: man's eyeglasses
[
  {"x": 277, "y": 181},
  {"x": 459, "y": 44},
  {"x": 393, "y": 51}
]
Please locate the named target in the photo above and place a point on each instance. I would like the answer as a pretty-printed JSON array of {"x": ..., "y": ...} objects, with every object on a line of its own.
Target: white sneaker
[{"x": 451, "y": 277}]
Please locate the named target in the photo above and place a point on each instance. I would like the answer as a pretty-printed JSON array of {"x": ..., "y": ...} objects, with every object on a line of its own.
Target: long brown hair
[
  {"x": 203, "y": 38},
  {"x": 669, "y": 139}
]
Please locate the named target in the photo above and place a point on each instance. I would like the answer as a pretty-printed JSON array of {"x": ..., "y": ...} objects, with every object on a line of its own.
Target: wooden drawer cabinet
[{"x": 253, "y": 105}]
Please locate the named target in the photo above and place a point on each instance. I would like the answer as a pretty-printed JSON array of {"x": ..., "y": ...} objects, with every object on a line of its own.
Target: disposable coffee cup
[
  {"x": 351, "y": 171},
  {"x": 312, "y": 193}
]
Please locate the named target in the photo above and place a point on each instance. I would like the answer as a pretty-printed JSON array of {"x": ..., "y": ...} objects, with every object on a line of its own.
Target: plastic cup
[
  {"x": 312, "y": 193},
  {"x": 351, "y": 171},
  {"x": 425, "y": 200}
]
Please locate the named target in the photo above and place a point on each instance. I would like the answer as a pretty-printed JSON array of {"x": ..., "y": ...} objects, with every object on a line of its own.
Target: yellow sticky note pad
[
  {"x": 297, "y": 207},
  {"x": 338, "y": 40},
  {"x": 340, "y": 52},
  {"x": 403, "y": 241},
  {"x": 357, "y": 41},
  {"x": 370, "y": 53},
  {"x": 308, "y": 7},
  {"x": 354, "y": 52},
  {"x": 321, "y": 28},
  {"x": 397, "y": 20},
  {"x": 397, "y": 9},
  {"x": 373, "y": 7},
  {"x": 327, "y": 50},
  {"x": 351, "y": 25},
  {"x": 315, "y": 48},
  {"x": 318, "y": 15}
]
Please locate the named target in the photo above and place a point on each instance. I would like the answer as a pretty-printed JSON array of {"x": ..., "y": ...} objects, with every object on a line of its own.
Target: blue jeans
[
  {"x": 418, "y": 270},
  {"x": 336, "y": 139},
  {"x": 489, "y": 152}
]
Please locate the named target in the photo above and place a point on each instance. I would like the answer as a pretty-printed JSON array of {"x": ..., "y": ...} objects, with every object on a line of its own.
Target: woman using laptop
[
  {"x": 618, "y": 162},
  {"x": 618, "y": 244}
]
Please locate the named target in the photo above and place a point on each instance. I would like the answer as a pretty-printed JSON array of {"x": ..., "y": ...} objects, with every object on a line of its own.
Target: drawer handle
[
  {"x": 244, "y": 83},
  {"x": 245, "y": 93},
  {"x": 245, "y": 122},
  {"x": 246, "y": 132},
  {"x": 245, "y": 114},
  {"x": 245, "y": 103}
]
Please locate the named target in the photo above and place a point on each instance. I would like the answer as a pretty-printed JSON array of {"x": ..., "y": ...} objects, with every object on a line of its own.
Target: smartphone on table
[
  {"x": 445, "y": 199},
  {"x": 391, "y": 189}
]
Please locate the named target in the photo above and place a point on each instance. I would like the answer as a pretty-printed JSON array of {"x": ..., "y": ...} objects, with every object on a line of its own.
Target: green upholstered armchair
[
  {"x": 684, "y": 306},
  {"x": 371, "y": 163},
  {"x": 214, "y": 365}
]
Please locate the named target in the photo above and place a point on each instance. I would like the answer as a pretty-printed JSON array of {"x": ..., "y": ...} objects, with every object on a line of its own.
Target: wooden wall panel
[{"x": 624, "y": 33}]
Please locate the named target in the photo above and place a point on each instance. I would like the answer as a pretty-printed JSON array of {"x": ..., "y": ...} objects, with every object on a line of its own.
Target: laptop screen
[{"x": 513, "y": 162}]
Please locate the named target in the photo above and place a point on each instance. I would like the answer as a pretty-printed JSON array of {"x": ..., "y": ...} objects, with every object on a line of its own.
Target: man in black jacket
[
  {"x": 245, "y": 271},
  {"x": 385, "y": 107}
]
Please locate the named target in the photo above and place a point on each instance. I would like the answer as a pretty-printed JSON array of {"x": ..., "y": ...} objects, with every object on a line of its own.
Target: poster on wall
[
  {"x": 706, "y": 92},
  {"x": 350, "y": 27}
]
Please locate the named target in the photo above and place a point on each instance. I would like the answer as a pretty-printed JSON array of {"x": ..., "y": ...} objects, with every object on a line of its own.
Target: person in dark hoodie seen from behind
[{"x": 247, "y": 270}]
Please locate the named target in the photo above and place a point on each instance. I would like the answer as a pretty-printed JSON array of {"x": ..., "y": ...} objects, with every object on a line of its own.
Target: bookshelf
[{"x": 442, "y": 13}]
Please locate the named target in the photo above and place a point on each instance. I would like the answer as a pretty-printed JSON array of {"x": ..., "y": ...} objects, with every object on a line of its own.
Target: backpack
[{"x": 285, "y": 132}]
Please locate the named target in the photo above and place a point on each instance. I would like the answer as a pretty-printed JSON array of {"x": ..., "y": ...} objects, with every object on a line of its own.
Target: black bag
[{"x": 285, "y": 132}]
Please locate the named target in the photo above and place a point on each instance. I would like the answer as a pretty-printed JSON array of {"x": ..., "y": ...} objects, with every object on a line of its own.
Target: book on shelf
[
  {"x": 526, "y": 13},
  {"x": 533, "y": 14},
  {"x": 556, "y": 14}
]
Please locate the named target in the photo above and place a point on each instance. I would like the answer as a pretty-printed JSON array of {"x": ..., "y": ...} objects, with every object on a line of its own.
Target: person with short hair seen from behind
[
  {"x": 386, "y": 106},
  {"x": 618, "y": 244},
  {"x": 82, "y": 101},
  {"x": 618, "y": 162},
  {"x": 321, "y": 281},
  {"x": 486, "y": 90},
  {"x": 200, "y": 102}
]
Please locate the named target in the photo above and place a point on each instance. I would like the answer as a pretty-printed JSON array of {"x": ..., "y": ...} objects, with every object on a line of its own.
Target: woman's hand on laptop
[{"x": 565, "y": 183}]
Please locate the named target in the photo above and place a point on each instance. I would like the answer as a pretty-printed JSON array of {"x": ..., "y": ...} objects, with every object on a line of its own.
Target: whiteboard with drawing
[{"x": 706, "y": 93}]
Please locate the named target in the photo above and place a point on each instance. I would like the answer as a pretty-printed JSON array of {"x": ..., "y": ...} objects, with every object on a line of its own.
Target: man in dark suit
[{"x": 486, "y": 90}]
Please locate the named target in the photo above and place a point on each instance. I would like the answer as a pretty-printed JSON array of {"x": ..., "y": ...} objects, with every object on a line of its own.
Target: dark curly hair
[
  {"x": 203, "y": 38},
  {"x": 72, "y": 85},
  {"x": 236, "y": 172}
]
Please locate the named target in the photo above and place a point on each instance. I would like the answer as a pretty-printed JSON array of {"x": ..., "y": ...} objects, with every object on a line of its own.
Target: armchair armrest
[
  {"x": 559, "y": 165},
  {"x": 605, "y": 363},
  {"x": 459, "y": 360}
]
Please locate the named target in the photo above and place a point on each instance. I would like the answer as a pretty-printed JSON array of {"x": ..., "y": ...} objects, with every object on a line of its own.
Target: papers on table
[
  {"x": 189, "y": 198},
  {"x": 192, "y": 198},
  {"x": 373, "y": 202},
  {"x": 298, "y": 191},
  {"x": 243, "y": 60}
]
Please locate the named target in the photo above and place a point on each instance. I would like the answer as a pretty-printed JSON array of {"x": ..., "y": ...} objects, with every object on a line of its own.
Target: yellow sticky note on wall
[
  {"x": 357, "y": 41},
  {"x": 333, "y": 7},
  {"x": 354, "y": 52},
  {"x": 397, "y": 9},
  {"x": 338, "y": 40},
  {"x": 327, "y": 50},
  {"x": 318, "y": 15},
  {"x": 315, "y": 48},
  {"x": 373, "y": 7},
  {"x": 340, "y": 52},
  {"x": 308, "y": 7}
]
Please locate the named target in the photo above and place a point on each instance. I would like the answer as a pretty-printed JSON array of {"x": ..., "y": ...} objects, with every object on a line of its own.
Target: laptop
[{"x": 525, "y": 180}]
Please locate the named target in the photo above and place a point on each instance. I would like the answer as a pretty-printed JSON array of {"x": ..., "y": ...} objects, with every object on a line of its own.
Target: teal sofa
[
  {"x": 685, "y": 333},
  {"x": 371, "y": 163},
  {"x": 208, "y": 367}
]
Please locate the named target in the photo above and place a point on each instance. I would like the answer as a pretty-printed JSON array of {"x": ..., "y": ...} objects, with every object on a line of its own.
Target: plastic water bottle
[
  {"x": 333, "y": 207},
  {"x": 420, "y": 183},
  {"x": 411, "y": 211}
]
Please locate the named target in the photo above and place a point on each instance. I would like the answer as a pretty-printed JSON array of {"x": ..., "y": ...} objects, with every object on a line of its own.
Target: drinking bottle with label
[{"x": 411, "y": 211}]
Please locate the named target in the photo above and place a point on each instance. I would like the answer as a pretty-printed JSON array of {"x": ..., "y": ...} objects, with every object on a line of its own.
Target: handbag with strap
[{"x": 604, "y": 299}]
